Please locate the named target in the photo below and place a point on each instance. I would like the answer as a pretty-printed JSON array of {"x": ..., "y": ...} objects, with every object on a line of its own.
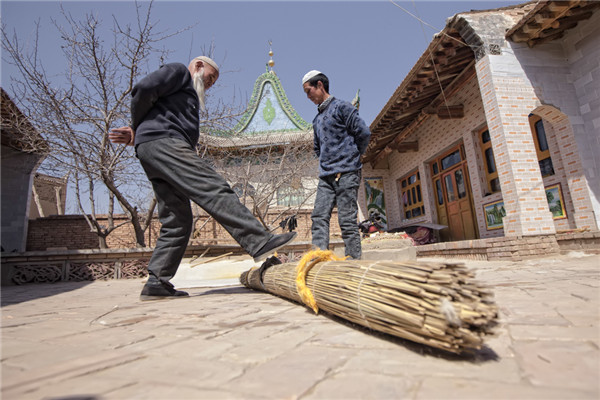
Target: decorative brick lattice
[
  {"x": 37, "y": 274},
  {"x": 91, "y": 271},
  {"x": 76, "y": 271},
  {"x": 134, "y": 269}
]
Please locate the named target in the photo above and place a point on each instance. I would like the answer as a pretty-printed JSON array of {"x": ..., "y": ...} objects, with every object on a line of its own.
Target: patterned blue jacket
[{"x": 340, "y": 138}]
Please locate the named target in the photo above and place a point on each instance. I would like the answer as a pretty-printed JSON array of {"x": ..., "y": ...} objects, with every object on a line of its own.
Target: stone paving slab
[{"x": 96, "y": 340}]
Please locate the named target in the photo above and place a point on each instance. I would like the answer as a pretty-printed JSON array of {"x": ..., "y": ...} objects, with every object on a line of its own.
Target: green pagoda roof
[{"x": 269, "y": 110}]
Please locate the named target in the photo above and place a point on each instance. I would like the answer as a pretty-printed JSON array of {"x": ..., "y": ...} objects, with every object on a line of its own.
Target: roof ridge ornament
[{"x": 271, "y": 63}]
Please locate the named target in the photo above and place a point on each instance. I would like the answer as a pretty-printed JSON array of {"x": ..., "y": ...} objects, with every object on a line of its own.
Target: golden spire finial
[{"x": 271, "y": 62}]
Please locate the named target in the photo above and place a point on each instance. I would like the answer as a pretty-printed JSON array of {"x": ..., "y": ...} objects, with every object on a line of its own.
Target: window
[
  {"x": 541, "y": 145},
  {"x": 491, "y": 174},
  {"x": 451, "y": 159},
  {"x": 439, "y": 193},
  {"x": 448, "y": 160},
  {"x": 289, "y": 197},
  {"x": 460, "y": 183},
  {"x": 412, "y": 199}
]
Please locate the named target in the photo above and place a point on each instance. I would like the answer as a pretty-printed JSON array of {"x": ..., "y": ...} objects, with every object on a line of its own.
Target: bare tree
[
  {"x": 271, "y": 176},
  {"x": 75, "y": 111}
]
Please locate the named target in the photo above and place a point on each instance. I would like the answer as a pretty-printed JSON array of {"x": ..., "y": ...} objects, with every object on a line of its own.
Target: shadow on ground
[{"x": 32, "y": 291}]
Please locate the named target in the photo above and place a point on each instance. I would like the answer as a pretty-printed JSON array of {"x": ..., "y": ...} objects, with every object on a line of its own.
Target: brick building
[
  {"x": 49, "y": 196},
  {"x": 495, "y": 130}
]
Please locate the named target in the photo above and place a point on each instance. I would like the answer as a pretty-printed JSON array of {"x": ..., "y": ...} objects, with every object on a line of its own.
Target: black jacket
[{"x": 165, "y": 104}]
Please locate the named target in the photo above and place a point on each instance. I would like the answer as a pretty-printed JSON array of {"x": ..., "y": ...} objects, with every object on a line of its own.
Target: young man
[
  {"x": 340, "y": 138},
  {"x": 165, "y": 131}
]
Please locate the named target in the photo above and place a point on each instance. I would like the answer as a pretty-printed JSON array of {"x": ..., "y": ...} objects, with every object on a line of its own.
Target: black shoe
[
  {"x": 160, "y": 290},
  {"x": 272, "y": 245}
]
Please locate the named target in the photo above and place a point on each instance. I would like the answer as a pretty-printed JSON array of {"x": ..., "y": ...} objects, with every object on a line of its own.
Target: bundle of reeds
[{"x": 436, "y": 304}]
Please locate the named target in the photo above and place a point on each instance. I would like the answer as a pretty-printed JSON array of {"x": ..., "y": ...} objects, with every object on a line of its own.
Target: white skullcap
[
  {"x": 309, "y": 75},
  {"x": 208, "y": 61}
]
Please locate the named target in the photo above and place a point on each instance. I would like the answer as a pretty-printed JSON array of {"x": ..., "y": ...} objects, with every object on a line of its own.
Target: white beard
[{"x": 199, "y": 87}]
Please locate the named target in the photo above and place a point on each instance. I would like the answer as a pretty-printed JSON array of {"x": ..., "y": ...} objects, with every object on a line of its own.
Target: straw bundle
[{"x": 439, "y": 305}]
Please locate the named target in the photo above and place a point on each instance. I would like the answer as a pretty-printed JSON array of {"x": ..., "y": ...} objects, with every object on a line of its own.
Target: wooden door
[{"x": 459, "y": 214}]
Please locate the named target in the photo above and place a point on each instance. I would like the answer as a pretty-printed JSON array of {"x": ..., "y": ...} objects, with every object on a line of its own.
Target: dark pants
[
  {"x": 179, "y": 175},
  {"x": 344, "y": 193}
]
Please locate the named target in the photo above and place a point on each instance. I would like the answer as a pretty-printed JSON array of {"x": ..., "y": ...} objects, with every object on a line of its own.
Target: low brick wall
[
  {"x": 72, "y": 232},
  {"x": 514, "y": 248},
  {"x": 96, "y": 264},
  {"x": 500, "y": 248},
  {"x": 588, "y": 242}
]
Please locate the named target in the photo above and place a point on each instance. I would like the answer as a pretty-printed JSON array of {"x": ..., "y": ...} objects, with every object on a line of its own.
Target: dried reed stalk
[{"x": 439, "y": 305}]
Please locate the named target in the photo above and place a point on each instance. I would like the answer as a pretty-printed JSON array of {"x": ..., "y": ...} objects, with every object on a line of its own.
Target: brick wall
[
  {"x": 434, "y": 137},
  {"x": 565, "y": 75},
  {"x": 507, "y": 112},
  {"x": 72, "y": 232},
  {"x": 508, "y": 100},
  {"x": 558, "y": 81}
]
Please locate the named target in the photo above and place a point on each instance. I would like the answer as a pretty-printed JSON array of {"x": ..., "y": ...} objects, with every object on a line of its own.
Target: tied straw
[
  {"x": 305, "y": 264},
  {"x": 436, "y": 304}
]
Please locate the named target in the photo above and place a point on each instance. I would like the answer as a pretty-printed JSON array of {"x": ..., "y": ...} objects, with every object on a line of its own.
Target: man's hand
[{"x": 123, "y": 135}]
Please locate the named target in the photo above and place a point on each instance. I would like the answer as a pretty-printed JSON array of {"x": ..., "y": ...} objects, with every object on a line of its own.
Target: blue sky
[{"x": 369, "y": 45}]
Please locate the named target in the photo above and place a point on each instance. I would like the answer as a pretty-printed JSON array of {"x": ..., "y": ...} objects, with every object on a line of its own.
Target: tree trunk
[
  {"x": 102, "y": 242},
  {"x": 140, "y": 240}
]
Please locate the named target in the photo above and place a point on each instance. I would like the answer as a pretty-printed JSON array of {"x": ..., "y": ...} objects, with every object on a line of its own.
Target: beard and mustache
[{"x": 199, "y": 87}]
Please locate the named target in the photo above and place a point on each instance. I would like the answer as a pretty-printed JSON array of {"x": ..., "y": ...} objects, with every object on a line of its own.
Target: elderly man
[
  {"x": 340, "y": 138},
  {"x": 165, "y": 131}
]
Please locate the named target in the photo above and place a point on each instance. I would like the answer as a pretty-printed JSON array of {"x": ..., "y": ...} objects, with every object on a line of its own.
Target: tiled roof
[
  {"x": 16, "y": 130},
  {"x": 448, "y": 63},
  {"x": 549, "y": 20},
  {"x": 264, "y": 140}
]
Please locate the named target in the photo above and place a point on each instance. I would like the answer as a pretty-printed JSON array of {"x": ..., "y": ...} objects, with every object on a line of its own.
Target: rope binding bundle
[{"x": 437, "y": 304}]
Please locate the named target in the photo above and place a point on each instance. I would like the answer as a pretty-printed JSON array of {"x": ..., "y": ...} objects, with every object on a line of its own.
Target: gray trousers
[
  {"x": 344, "y": 194},
  {"x": 179, "y": 175}
]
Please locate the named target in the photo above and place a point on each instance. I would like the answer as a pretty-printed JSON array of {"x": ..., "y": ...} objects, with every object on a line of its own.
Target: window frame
[
  {"x": 413, "y": 191},
  {"x": 542, "y": 155},
  {"x": 489, "y": 176}
]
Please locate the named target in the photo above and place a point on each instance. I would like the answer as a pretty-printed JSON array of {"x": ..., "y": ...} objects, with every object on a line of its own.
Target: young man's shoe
[
  {"x": 156, "y": 290},
  {"x": 272, "y": 245}
]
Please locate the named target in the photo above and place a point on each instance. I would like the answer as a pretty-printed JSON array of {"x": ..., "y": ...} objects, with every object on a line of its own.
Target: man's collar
[{"x": 321, "y": 107}]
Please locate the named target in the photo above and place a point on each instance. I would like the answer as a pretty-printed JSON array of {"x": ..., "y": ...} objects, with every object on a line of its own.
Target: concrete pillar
[{"x": 17, "y": 179}]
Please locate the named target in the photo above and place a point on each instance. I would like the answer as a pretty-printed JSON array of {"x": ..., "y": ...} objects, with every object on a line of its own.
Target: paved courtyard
[{"x": 96, "y": 340}]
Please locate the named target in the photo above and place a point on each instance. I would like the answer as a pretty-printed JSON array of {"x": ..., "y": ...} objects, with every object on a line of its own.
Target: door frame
[{"x": 439, "y": 174}]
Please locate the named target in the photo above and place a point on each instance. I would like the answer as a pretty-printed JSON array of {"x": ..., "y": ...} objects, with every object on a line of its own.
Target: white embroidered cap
[
  {"x": 207, "y": 60},
  {"x": 309, "y": 75}
]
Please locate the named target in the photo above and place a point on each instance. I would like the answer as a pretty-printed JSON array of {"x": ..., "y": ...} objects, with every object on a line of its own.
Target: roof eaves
[
  {"x": 14, "y": 123},
  {"x": 549, "y": 20}
]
